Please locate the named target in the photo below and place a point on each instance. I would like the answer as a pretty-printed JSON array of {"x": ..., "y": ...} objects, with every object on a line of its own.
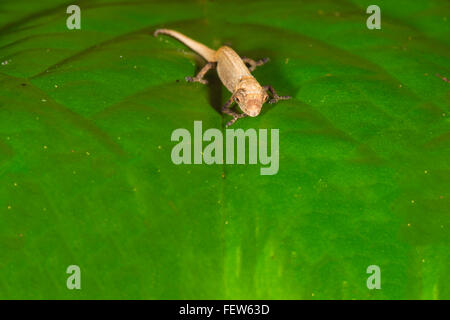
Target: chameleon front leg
[
  {"x": 275, "y": 96},
  {"x": 226, "y": 109},
  {"x": 236, "y": 116},
  {"x": 201, "y": 73},
  {"x": 253, "y": 64}
]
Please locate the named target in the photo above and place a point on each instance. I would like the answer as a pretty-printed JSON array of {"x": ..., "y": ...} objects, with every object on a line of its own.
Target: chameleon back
[{"x": 230, "y": 68}]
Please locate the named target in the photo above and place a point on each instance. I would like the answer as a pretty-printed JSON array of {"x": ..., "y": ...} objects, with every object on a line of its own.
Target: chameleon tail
[{"x": 207, "y": 53}]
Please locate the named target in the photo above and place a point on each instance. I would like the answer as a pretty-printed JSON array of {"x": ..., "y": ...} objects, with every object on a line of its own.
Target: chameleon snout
[{"x": 253, "y": 107}]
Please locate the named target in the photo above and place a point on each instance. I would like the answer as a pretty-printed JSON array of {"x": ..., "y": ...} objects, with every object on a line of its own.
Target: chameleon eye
[{"x": 237, "y": 99}]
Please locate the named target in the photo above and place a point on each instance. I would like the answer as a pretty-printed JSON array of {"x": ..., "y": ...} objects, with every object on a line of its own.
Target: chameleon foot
[
  {"x": 275, "y": 96},
  {"x": 253, "y": 64},
  {"x": 226, "y": 110},
  {"x": 201, "y": 74},
  {"x": 195, "y": 79},
  {"x": 262, "y": 61}
]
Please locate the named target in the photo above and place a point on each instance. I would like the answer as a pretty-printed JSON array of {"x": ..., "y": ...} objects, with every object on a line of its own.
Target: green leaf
[{"x": 86, "y": 118}]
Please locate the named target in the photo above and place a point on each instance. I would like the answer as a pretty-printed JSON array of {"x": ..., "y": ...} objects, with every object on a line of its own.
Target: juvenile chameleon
[{"x": 234, "y": 74}]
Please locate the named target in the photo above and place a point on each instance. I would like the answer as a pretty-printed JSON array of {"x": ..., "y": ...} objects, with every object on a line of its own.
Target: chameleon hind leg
[
  {"x": 226, "y": 109},
  {"x": 201, "y": 73},
  {"x": 253, "y": 64}
]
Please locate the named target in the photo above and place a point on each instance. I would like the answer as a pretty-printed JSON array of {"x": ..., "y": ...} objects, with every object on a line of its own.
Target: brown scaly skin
[{"x": 234, "y": 74}]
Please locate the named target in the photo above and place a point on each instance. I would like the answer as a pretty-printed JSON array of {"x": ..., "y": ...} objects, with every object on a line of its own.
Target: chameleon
[{"x": 246, "y": 91}]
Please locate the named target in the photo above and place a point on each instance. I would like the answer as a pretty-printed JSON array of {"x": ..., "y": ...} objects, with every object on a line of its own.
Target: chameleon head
[{"x": 250, "y": 96}]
